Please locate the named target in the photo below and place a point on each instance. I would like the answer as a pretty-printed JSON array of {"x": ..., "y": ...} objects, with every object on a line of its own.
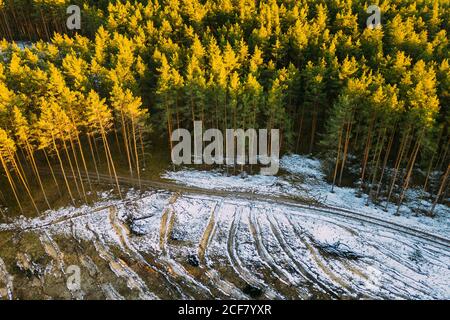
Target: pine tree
[
  {"x": 50, "y": 130},
  {"x": 100, "y": 119},
  {"x": 23, "y": 134},
  {"x": 8, "y": 156}
]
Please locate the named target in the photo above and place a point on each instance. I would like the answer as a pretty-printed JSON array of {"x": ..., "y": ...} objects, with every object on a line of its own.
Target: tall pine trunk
[{"x": 441, "y": 189}]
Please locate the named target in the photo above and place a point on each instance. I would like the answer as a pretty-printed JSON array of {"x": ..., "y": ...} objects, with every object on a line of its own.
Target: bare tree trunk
[
  {"x": 52, "y": 172},
  {"x": 11, "y": 38},
  {"x": 313, "y": 129},
  {"x": 125, "y": 140},
  {"x": 338, "y": 155},
  {"x": 386, "y": 157},
  {"x": 347, "y": 140},
  {"x": 408, "y": 176},
  {"x": 72, "y": 145},
  {"x": 441, "y": 189},
  {"x": 136, "y": 152},
  {"x": 377, "y": 162},
  {"x": 11, "y": 182},
  {"x": 300, "y": 129},
  {"x": 366, "y": 152},
  {"x": 62, "y": 169},
  {"x": 83, "y": 160},
  {"x": 142, "y": 147},
  {"x": 71, "y": 167},
  {"x": 442, "y": 156},
  {"x": 93, "y": 156},
  {"x": 108, "y": 154},
  {"x": 397, "y": 165},
  {"x": 23, "y": 180},
  {"x": 116, "y": 137},
  {"x": 30, "y": 152},
  {"x": 44, "y": 24}
]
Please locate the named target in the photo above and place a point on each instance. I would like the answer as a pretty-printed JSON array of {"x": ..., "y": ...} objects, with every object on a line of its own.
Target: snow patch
[{"x": 305, "y": 178}]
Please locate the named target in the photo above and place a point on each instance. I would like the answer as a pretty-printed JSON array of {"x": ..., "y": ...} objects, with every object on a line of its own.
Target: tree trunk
[
  {"x": 52, "y": 172},
  {"x": 338, "y": 155},
  {"x": 22, "y": 178},
  {"x": 397, "y": 165},
  {"x": 125, "y": 140},
  {"x": 38, "y": 176},
  {"x": 142, "y": 147},
  {"x": 344, "y": 157},
  {"x": 366, "y": 152},
  {"x": 136, "y": 151},
  {"x": 62, "y": 170},
  {"x": 71, "y": 167},
  {"x": 441, "y": 189},
  {"x": 108, "y": 154},
  {"x": 11, "y": 182},
  {"x": 408, "y": 176},
  {"x": 313, "y": 130},
  {"x": 72, "y": 145},
  {"x": 93, "y": 156},
  {"x": 300, "y": 129},
  {"x": 83, "y": 160},
  {"x": 386, "y": 157},
  {"x": 378, "y": 150}
]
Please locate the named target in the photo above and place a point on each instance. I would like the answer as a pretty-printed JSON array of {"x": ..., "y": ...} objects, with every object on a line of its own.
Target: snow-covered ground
[
  {"x": 171, "y": 245},
  {"x": 304, "y": 178},
  {"x": 168, "y": 245}
]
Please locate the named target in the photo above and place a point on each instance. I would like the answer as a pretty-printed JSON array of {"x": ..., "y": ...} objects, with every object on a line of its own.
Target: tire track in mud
[
  {"x": 319, "y": 264},
  {"x": 342, "y": 279},
  {"x": 121, "y": 269},
  {"x": 208, "y": 233},
  {"x": 92, "y": 269},
  {"x": 110, "y": 292},
  {"x": 237, "y": 265},
  {"x": 277, "y": 272},
  {"x": 52, "y": 249},
  {"x": 406, "y": 243},
  {"x": 334, "y": 279},
  {"x": 166, "y": 227},
  {"x": 399, "y": 278},
  {"x": 390, "y": 254},
  {"x": 162, "y": 269},
  {"x": 403, "y": 262},
  {"x": 300, "y": 268},
  {"x": 214, "y": 278},
  {"x": 26, "y": 266},
  {"x": 97, "y": 282},
  {"x": 123, "y": 233},
  {"x": 163, "y": 231}
]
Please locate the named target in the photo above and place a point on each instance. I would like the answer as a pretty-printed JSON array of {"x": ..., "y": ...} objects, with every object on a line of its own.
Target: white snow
[
  {"x": 287, "y": 250},
  {"x": 305, "y": 178},
  {"x": 271, "y": 246}
]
